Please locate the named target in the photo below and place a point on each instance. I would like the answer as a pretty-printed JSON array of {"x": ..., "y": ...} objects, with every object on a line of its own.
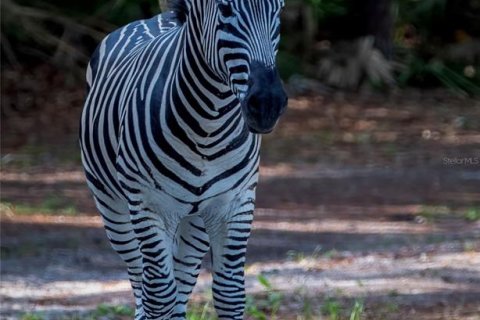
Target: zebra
[{"x": 170, "y": 136}]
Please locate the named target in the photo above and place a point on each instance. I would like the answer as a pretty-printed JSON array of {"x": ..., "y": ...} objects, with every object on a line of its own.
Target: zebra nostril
[
  {"x": 254, "y": 104},
  {"x": 250, "y": 81}
]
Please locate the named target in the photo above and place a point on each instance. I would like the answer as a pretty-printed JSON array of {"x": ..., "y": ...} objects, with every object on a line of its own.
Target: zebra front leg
[
  {"x": 229, "y": 244},
  {"x": 119, "y": 230},
  {"x": 130, "y": 253},
  {"x": 159, "y": 289},
  {"x": 191, "y": 245}
]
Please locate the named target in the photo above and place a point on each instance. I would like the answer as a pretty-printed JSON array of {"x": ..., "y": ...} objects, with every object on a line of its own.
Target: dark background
[{"x": 369, "y": 189}]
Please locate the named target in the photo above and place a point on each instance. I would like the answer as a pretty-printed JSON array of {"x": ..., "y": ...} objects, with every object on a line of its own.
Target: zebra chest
[
  {"x": 202, "y": 179},
  {"x": 204, "y": 174},
  {"x": 187, "y": 173}
]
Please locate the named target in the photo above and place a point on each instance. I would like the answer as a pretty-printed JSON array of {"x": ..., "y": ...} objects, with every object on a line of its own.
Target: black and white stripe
[{"x": 167, "y": 151}]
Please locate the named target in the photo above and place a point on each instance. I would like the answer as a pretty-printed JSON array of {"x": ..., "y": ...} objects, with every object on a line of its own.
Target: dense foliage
[{"x": 341, "y": 42}]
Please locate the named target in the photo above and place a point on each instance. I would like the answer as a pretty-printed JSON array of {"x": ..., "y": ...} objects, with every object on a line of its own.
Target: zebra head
[{"x": 245, "y": 40}]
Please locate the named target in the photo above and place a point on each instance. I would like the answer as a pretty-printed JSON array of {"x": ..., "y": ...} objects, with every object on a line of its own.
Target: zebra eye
[{"x": 225, "y": 8}]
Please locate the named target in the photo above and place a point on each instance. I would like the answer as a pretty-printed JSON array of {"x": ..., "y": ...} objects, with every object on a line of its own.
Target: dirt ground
[{"x": 361, "y": 198}]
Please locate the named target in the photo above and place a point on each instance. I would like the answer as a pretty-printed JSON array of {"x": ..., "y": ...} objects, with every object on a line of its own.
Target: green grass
[
  {"x": 332, "y": 309},
  {"x": 298, "y": 256},
  {"x": 33, "y": 155},
  {"x": 260, "y": 307},
  {"x": 32, "y": 316},
  {"x": 103, "y": 311},
  {"x": 433, "y": 213},
  {"x": 257, "y": 308},
  {"x": 50, "y": 205},
  {"x": 387, "y": 308},
  {"x": 472, "y": 214},
  {"x": 357, "y": 311},
  {"x": 267, "y": 306},
  {"x": 201, "y": 311},
  {"x": 113, "y": 312},
  {"x": 390, "y": 150},
  {"x": 470, "y": 246}
]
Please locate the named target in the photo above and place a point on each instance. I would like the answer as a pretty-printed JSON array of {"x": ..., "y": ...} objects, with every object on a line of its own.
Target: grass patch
[
  {"x": 472, "y": 214},
  {"x": 267, "y": 307},
  {"x": 50, "y": 205},
  {"x": 113, "y": 312},
  {"x": 470, "y": 246},
  {"x": 201, "y": 311},
  {"x": 317, "y": 253},
  {"x": 357, "y": 311},
  {"x": 264, "y": 307},
  {"x": 432, "y": 213},
  {"x": 103, "y": 312},
  {"x": 32, "y": 316},
  {"x": 255, "y": 309},
  {"x": 33, "y": 155},
  {"x": 334, "y": 310},
  {"x": 390, "y": 150}
]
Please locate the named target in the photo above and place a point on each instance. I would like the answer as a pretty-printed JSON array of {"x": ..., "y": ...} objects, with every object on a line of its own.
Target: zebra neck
[{"x": 204, "y": 103}]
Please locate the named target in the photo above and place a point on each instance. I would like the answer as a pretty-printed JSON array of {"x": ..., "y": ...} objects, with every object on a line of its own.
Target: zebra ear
[
  {"x": 224, "y": 2},
  {"x": 225, "y": 7}
]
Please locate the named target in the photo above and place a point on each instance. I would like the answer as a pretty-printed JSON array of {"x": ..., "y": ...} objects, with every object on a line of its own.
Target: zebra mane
[{"x": 180, "y": 8}]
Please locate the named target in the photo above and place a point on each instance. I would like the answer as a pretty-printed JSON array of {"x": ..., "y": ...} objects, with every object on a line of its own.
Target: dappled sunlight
[
  {"x": 368, "y": 196},
  {"x": 62, "y": 296},
  {"x": 69, "y": 290},
  {"x": 394, "y": 131},
  {"x": 374, "y": 274},
  {"x": 371, "y": 277},
  {"x": 355, "y": 201},
  {"x": 346, "y": 258},
  {"x": 346, "y": 226},
  {"x": 55, "y": 220},
  {"x": 56, "y": 177},
  {"x": 466, "y": 197}
]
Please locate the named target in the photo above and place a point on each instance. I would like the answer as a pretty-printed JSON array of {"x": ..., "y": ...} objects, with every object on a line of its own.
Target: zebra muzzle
[{"x": 266, "y": 99}]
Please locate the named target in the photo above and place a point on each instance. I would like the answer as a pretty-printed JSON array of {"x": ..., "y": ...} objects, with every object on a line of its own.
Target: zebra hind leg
[{"x": 190, "y": 246}]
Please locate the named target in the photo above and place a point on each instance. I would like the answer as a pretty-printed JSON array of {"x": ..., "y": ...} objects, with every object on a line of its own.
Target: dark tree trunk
[
  {"x": 374, "y": 17},
  {"x": 379, "y": 23},
  {"x": 146, "y": 8}
]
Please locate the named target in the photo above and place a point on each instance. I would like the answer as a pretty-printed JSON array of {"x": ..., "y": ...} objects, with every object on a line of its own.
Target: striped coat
[{"x": 170, "y": 145}]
